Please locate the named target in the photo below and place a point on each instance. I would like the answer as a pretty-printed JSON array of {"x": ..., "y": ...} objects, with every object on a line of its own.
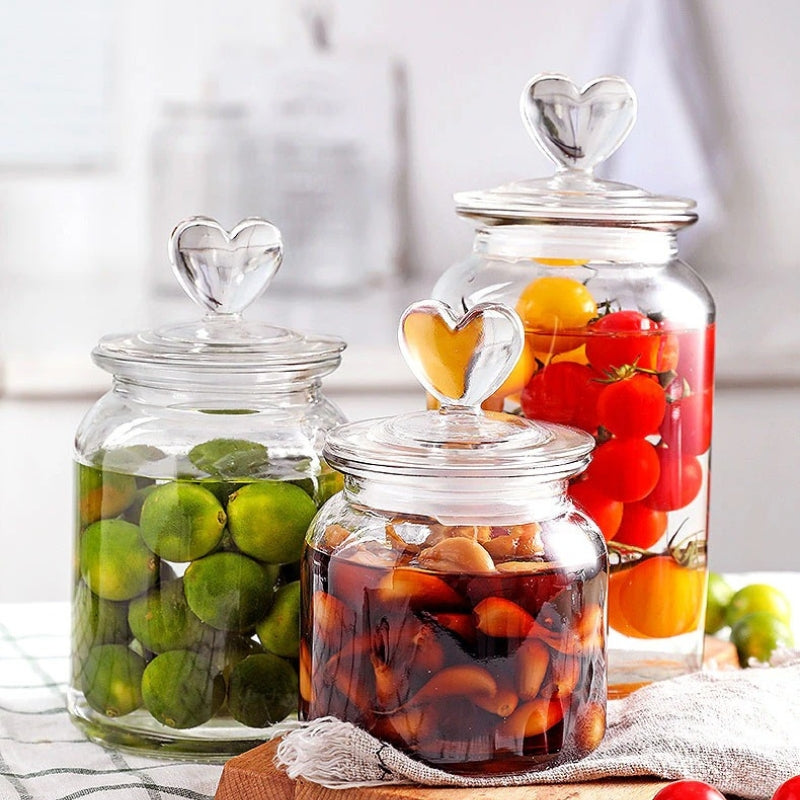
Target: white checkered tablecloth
[{"x": 43, "y": 756}]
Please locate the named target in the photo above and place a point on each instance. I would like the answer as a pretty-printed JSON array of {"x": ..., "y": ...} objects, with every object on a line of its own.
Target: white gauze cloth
[{"x": 737, "y": 730}]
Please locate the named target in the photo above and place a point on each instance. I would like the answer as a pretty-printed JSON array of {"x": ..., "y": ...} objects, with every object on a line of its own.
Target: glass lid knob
[
  {"x": 225, "y": 271},
  {"x": 576, "y": 128},
  {"x": 460, "y": 361}
]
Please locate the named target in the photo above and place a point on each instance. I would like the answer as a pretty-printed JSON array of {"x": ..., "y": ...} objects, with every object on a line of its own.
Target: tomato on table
[
  {"x": 660, "y": 598},
  {"x": 689, "y": 790},
  {"x": 632, "y": 407},
  {"x": 623, "y": 338},
  {"x": 551, "y": 308},
  {"x": 641, "y": 526},
  {"x": 606, "y": 513},
  {"x": 679, "y": 481},
  {"x": 625, "y": 469},
  {"x": 788, "y": 790},
  {"x": 564, "y": 392}
]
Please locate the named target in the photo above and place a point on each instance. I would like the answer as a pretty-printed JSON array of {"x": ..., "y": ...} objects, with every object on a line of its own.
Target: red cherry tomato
[
  {"x": 679, "y": 481},
  {"x": 606, "y": 513},
  {"x": 625, "y": 469},
  {"x": 688, "y": 790},
  {"x": 696, "y": 358},
  {"x": 623, "y": 337},
  {"x": 641, "y": 526},
  {"x": 686, "y": 427},
  {"x": 788, "y": 790},
  {"x": 632, "y": 408},
  {"x": 563, "y": 392}
]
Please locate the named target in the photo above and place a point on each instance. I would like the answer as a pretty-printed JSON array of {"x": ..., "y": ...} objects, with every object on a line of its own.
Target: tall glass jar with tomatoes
[{"x": 619, "y": 343}]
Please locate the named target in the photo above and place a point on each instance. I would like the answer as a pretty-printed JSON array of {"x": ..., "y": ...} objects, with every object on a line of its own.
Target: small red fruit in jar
[
  {"x": 625, "y": 469},
  {"x": 632, "y": 407},
  {"x": 564, "y": 392},
  {"x": 686, "y": 427},
  {"x": 606, "y": 513},
  {"x": 689, "y": 790},
  {"x": 641, "y": 526},
  {"x": 679, "y": 481},
  {"x": 623, "y": 338}
]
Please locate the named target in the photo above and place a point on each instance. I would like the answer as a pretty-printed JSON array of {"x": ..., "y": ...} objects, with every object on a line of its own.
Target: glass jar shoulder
[
  {"x": 133, "y": 432},
  {"x": 670, "y": 289}
]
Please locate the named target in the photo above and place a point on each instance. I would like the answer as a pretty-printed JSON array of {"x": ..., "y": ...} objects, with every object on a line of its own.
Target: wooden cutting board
[{"x": 254, "y": 776}]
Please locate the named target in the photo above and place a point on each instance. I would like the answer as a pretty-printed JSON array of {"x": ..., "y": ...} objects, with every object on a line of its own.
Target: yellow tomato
[
  {"x": 516, "y": 381},
  {"x": 560, "y": 262},
  {"x": 554, "y": 311}
]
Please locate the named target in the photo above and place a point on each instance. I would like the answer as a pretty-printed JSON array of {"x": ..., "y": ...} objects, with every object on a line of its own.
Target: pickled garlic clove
[
  {"x": 304, "y": 669},
  {"x": 477, "y": 533},
  {"x": 409, "y": 586},
  {"x": 534, "y": 718},
  {"x": 344, "y": 672},
  {"x": 335, "y": 536},
  {"x": 462, "y": 625},
  {"x": 397, "y": 542},
  {"x": 428, "y": 650},
  {"x": 590, "y": 727},
  {"x": 496, "y": 616},
  {"x": 518, "y": 541},
  {"x": 523, "y": 566},
  {"x": 502, "y": 703},
  {"x": 456, "y": 555},
  {"x": 565, "y": 672},
  {"x": 532, "y": 660},
  {"x": 332, "y": 620},
  {"x": 463, "y": 680},
  {"x": 590, "y": 628},
  {"x": 390, "y": 693},
  {"x": 407, "y": 726}
]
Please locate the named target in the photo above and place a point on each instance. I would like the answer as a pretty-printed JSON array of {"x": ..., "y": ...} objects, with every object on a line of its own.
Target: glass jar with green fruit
[
  {"x": 197, "y": 476},
  {"x": 620, "y": 344}
]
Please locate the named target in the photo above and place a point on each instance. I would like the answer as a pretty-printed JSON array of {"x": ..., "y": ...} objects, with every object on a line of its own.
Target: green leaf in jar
[
  {"x": 230, "y": 458},
  {"x": 129, "y": 459}
]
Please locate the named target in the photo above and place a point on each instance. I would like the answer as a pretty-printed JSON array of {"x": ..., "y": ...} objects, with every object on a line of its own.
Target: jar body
[
  {"x": 476, "y": 648},
  {"x": 191, "y": 510},
  {"x": 619, "y": 343}
]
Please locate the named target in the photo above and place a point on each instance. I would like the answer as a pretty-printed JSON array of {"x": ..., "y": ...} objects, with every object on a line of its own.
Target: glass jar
[
  {"x": 196, "y": 478},
  {"x": 453, "y": 597},
  {"x": 619, "y": 343}
]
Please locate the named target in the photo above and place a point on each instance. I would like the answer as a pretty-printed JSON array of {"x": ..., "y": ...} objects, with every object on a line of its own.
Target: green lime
[
  {"x": 329, "y": 483},
  {"x": 181, "y": 689},
  {"x": 758, "y": 597},
  {"x": 103, "y": 494},
  {"x": 263, "y": 690},
  {"x": 230, "y": 458},
  {"x": 225, "y": 650},
  {"x": 114, "y": 561},
  {"x": 279, "y": 631},
  {"x": 269, "y": 520},
  {"x": 111, "y": 679},
  {"x": 718, "y": 596},
  {"x": 182, "y": 521},
  {"x": 162, "y": 620},
  {"x": 758, "y": 635},
  {"x": 228, "y": 591}
]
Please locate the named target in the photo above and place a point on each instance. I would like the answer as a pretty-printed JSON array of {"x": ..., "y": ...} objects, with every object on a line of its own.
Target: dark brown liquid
[{"x": 494, "y": 673}]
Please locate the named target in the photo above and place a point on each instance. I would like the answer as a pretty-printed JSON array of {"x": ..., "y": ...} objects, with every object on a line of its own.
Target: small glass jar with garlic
[{"x": 453, "y": 597}]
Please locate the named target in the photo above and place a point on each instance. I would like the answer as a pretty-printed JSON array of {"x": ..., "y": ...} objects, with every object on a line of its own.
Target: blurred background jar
[
  {"x": 196, "y": 477},
  {"x": 619, "y": 343},
  {"x": 453, "y": 596}
]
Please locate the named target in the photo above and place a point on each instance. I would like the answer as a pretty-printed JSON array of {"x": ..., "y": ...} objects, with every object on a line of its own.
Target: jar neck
[
  {"x": 499, "y": 501},
  {"x": 220, "y": 399},
  {"x": 576, "y": 243}
]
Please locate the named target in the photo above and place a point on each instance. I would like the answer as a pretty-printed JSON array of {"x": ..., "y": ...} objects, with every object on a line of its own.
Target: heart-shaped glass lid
[
  {"x": 577, "y": 129},
  {"x": 223, "y": 272},
  {"x": 460, "y": 361}
]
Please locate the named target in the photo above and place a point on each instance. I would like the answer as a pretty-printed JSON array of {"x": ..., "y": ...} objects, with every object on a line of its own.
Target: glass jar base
[
  {"x": 629, "y": 671},
  {"x": 213, "y": 742}
]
